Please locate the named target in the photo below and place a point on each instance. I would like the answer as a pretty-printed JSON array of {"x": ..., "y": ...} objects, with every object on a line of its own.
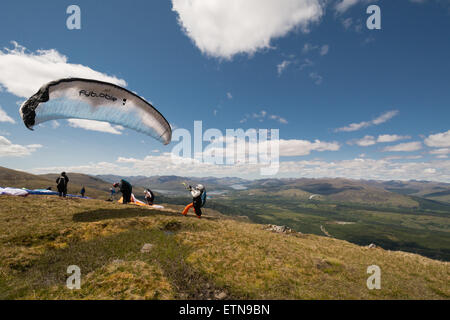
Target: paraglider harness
[
  {"x": 198, "y": 201},
  {"x": 203, "y": 197},
  {"x": 61, "y": 182}
]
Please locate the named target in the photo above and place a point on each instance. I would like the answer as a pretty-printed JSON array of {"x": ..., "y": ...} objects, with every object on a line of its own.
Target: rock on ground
[{"x": 146, "y": 248}]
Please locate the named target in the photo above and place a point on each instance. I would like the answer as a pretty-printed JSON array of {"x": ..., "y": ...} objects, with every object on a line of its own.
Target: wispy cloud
[
  {"x": 278, "y": 118},
  {"x": 442, "y": 151},
  {"x": 324, "y": 50},
  {"x": 343, "y": 5},
  {"x": 263, "y": 115},
  {"x": 306, "y": 64},
  {"x": 386, "y": 138},
  {"x": 363, "y": 142},
  {"x": 282, "y": 66},
  {"x": 347, "y": 23},
  {"x": 308, "y": 47},
  {"x": 4, "y": 117},
  {"x": 317, "y": 78},
  {"x": 404, "y": 147},
  {"x": 365, "y": 124},
  {"x": 371, "y": 140}
]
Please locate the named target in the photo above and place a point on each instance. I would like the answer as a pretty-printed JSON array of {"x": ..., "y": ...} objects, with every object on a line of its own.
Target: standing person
[
  {"x": 82, "y": 192},
  {"x": 198, "y": 200},
  {"x": 126, "y": 189},
  {"x": 61, "y": 184},
  {"x": 149, "y": 197}
]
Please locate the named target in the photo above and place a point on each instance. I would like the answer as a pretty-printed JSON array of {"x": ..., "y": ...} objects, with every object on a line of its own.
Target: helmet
[
  {"x": 200, "y": 187},
  {"x": 115, "y": 185}
]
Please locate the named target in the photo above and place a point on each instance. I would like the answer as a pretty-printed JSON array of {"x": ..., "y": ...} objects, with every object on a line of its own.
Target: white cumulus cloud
[
  {"x": 22, "y": 73},
  {"x": 361, "y": 125},
  {"x": 440, "y": 140},
  {"x": 224, "y": 28},
  {"x": 93, "y": 125},
  {"x": 8, "y": 149}
]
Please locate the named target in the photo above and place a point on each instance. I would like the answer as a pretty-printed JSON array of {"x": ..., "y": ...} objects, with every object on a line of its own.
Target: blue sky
[{"x": 348, "y": 101}]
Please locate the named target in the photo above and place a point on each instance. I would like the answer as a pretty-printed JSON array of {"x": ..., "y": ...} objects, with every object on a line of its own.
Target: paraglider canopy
[{"x": 75, "y": 98}]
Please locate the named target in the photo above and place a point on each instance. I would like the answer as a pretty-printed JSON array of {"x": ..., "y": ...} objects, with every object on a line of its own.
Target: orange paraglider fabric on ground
[{"x": 140, "y": 203}]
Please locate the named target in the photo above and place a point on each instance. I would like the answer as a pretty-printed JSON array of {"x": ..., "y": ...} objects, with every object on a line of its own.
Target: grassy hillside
[
  {"x": 95, "y": 188},
  {"x": 89, "y": 182},
  {"x": 19, "y": 179},
  {"x": 189, "y": 258}
]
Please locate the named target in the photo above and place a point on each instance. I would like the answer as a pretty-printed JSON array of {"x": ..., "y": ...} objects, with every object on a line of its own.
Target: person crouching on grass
[
  {"x": 126, "y": 189},
  {"x": 149, "y": 197}
]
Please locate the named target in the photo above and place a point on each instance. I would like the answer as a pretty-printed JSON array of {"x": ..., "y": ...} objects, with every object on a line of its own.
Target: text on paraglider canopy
[{"x": 88, "y": 93}]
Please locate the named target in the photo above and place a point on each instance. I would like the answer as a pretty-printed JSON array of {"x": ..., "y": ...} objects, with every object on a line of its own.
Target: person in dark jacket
[
  {"x": 82, "y": 192},
  {"x": 61, "y": 184},
  {"x": 126, "y": 189}
]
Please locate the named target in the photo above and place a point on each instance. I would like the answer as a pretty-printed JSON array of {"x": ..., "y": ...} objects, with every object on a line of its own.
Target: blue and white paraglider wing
[{"x": 75, "y": 98}]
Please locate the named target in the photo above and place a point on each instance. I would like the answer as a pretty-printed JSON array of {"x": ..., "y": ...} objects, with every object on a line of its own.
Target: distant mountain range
[
  {"x": 337, "y": 189},
  {"x": 398, "y": 193}
]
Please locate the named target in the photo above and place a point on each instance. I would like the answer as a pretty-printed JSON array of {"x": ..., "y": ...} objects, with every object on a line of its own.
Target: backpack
[
  {"x": 149, "y": 193},
  {"x": 61, "y": 181},
  {"x": 203, "y": 197}
]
